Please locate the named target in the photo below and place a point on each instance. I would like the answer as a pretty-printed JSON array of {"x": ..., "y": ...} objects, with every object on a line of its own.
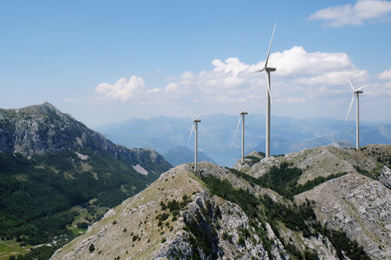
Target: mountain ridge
[
  {"x": 43, "y": 128},
  {"x": 57, "y": 176},
  {"x": 223, "y": 213}
]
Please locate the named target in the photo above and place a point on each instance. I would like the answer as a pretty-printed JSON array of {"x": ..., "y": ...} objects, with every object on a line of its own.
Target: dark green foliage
[
  {"x": 203, "y": 236},
  {"x": 82, "y": 225},
  {"x": 39, "y": 253},
  {"x": 36, "y": 194},
  {"x": 248, "y": 202},
  {"x": 343, "y": 244},
  {"x": 91, "y": 248},
  {"x": 255, "y": 159},
  {"x": 297, "y": 218},
  {"x": 284, "y": 179},
  {"x": 373, "y": 175},
  {"x": 174, "y": 207}
]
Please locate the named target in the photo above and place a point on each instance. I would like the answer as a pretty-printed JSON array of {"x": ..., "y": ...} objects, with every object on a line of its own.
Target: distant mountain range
[
  {"x": 217, "y": 134},
  {"x": 182, "y": 154}
]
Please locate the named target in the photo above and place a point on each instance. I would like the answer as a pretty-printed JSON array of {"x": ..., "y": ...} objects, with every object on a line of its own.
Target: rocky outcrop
[
  {"x": 43, "y": 128},
  {"x": 203, "y": 224}
]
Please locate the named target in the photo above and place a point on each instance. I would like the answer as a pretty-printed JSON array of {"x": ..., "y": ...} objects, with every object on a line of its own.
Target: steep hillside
[
  {"x": 57, "y": 176},
  {"x": 43, "y": 128},
  {"x": 321, "y": 203}
]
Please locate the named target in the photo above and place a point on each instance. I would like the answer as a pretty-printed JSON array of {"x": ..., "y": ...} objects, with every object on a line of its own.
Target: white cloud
[
  {"x": 154, "y": 90},
  {"x": 297, "y": 61},
  {"x": 122, "y": 90},
  {"x": 171, "y": 87},
  {"x": 304, "y": 84},
  {"x": 385, "y": 75},
  {"x": 362, "y": 11},
  {"x": 295, "y": 100},
  {"x": 231, "y": 66}
]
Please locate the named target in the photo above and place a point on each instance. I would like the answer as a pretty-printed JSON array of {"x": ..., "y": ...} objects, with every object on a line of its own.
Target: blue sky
[{"x": 107, "y": 61}]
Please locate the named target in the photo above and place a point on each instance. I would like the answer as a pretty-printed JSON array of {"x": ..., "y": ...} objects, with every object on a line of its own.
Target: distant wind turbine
[
  {"x": 242, "y": 113},
  {"x": 195, "y": 127},
  {"x": 356, "y": 93},
  {"x": 267, "y": 71}
]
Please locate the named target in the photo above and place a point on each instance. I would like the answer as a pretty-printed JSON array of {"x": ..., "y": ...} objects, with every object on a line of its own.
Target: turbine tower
[
  {"x": 356, "y": 93},
  {"x": 242, "y": 113},
  {"x": 267, "y": 71},
  {"x": 195, "y": 128}
]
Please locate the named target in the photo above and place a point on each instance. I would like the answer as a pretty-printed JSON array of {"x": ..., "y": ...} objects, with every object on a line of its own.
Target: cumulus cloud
[
  {"x": 172, "y": 87},
  {"x": 304, "y": 83},
  {"x": 297, "y": 61},
  {"x": 122, "y": 90},
  {"x": 385, "y": 75},
  {"x": 356, "y": 14}
]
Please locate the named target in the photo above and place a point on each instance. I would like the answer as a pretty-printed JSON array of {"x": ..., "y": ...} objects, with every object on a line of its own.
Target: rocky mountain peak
[
  {"x": 223, "y": 213},
  {"x": 43, "y": 128}
]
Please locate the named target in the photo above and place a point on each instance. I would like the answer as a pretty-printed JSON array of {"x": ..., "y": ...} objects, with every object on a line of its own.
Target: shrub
[{"x": 91, "y": 248}]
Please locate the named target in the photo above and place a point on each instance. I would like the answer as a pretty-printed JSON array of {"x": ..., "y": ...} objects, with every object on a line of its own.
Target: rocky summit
[
  {"x": 320, "y": 203},
  {"x": 40, "y": 129},
  {"x": 57, "y": 176}
]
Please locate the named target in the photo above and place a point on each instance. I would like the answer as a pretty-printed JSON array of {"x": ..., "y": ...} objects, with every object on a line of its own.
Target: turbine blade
[
  {"x": 198, "y": 116},
  {"x": 268, "y": 86},
  {"x": 191, "y": 132},
  {"x": 365, "y": 86},
  {"x": 350, "y": 83},
  {"x": 245, "y": 109},
  {"x": 350, "y": 107},
  {"x": 270, "y": 45},
  {"x": 256, "y": 71},
  {"x": 237, "y": 127},
  {"x": 240, "y": 111}
]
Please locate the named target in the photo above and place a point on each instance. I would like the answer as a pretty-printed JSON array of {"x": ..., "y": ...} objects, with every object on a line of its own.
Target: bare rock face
[
  {"x": 43, "y": 128},
  {"x": 359, "y": 206},
  {"x": 180, "y": 215}
]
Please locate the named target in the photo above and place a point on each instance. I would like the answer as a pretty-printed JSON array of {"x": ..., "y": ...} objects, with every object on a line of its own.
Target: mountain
[
  {"x": 217, "y": 134},
  {"x": 182, "y": 154},
  {"x": 57, "y": 175},
  {"x": 319, "y": 203}
]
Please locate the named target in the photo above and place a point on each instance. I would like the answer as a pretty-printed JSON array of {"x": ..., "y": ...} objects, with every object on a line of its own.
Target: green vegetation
[
  {"x": 37, "y": 194},
  {"x": 283, "y": 180},
  {"x": 202, "y": 232},
  {"x": 39, "y": 253},
  {"x": 300, "y": 218},
  {"x": 255, "y": 159}
]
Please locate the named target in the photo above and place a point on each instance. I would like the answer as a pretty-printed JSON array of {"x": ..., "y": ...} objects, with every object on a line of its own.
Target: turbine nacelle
[{"x": 356, "y": 92}]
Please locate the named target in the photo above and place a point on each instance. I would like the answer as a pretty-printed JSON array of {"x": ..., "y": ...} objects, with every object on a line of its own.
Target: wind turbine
[
  {"x": 356, "y": 93},
  {"x": 242, "y": 113},
  {"x": 195, "y": 127},
  {"x": 267, "y": 71}
]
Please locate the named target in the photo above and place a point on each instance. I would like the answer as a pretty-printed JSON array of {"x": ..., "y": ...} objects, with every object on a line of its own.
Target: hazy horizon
[{"x": 106, "y": 62}]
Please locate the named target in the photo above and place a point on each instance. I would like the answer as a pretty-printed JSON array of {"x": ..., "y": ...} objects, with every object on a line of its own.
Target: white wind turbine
[
  {"x": 267, "y": 71},
  {"x": 356, "y": 93},
  {"x": 242, "y": 113},
  {"x": 195, "y": 127}
]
